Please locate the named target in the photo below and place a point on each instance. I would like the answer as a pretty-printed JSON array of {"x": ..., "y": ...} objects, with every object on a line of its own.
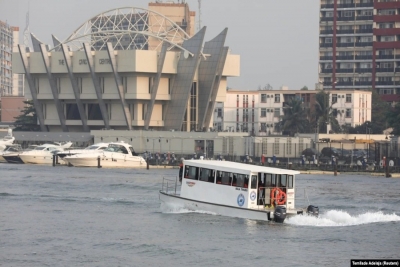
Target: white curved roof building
[{"x": 129, "y": 68}]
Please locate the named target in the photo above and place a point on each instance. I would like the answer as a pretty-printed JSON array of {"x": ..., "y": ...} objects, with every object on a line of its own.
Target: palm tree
[
  {"x": 294, "y": 119},
  {"x": 324, "y": 113}
]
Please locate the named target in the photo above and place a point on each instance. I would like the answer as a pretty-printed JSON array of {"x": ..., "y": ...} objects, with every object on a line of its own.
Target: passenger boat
[
  {"x": 234, "y": 189},
  {"x": 116, "y": 155},
  {"x": 95, "y": 148},
  {"x": 42, "y": 154}
]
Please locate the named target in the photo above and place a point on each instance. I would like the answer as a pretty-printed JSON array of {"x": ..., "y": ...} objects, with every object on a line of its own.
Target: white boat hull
[
  {"x": 106, "y": 162},
  {"x": 36, "y": 159},
  {"x": 252, "y": 214}
]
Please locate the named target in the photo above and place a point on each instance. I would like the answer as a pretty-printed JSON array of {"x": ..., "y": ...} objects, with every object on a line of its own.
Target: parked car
[
  {"x": 309, "y": 153},
  {"x": 330, "y": 151}
]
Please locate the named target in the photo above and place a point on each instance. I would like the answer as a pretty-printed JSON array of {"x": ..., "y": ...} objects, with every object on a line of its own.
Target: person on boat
[{"x": 180, "y": 170}]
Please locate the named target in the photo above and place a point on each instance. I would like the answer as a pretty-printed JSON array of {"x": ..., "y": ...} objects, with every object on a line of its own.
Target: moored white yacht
[
  {"x": 13, "y": 157},
  {"x": 7, "y": 140},
  {"x": 14, "y": 148},
  {"x": 95, "y": 148},
  {"x": 42, "y": 154},
  {"x": 116, "y": 155},
  {"x": 234, "y": 189}
]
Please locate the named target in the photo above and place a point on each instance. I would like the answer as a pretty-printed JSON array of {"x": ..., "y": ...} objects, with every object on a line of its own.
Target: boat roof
[{"x": 216, "y": 164}]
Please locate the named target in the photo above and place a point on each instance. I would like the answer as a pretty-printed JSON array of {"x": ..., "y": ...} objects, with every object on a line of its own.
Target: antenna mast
[{"x": 199, "y": 23}]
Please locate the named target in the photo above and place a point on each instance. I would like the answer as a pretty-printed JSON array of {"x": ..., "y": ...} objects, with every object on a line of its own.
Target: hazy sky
[{"x": 277, "y": 40}]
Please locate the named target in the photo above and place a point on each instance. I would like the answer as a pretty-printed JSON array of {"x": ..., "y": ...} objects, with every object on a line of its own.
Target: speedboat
[
  {"x": 95, "y": 148},
  {"x": 235, "y": 190},
  {"x": 13, "y": 157},
  {"x": 14, "y": 148},
  {"x": 42, "y": 154},
  {"x": 116, "y": 155}
]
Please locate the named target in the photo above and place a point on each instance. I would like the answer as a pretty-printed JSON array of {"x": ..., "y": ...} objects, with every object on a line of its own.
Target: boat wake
[
  {"x": 177, "y": 209},
  {"x": 341, "y": 218}
]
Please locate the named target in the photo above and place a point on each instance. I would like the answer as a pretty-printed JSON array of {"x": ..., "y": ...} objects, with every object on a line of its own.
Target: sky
[{"x": 277, "y": 40}]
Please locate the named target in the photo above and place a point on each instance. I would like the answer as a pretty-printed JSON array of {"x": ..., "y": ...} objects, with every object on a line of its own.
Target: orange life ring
[{"x": 280, "y": 197}]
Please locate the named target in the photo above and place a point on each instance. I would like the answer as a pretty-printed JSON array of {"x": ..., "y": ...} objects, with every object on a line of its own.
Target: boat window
[
  {"x": 254, "y": 181},
  {"x": 206, "y": 175},
  {"x": 269, "y": 180},
  {"x": 245, "y": 181},
  {"x": 219, "y": 177},
  {"x": 191, "y": 172},
  {"x": 290, "y": 181},
  {"x": 226, "y": 178},
  {"x": 283, "y": 180}
]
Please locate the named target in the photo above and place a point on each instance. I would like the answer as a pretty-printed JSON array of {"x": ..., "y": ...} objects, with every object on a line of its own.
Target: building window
[
  {"x": 263, "y": 127},
  {"x": 263, "y": 98},
  {"x": 334, "y": 98},
  {"x": 348, "y": 113},
  {"x": 101, "y": 84},
  {"x": 328, "y": 40},
  {"x": 277, "y": 98},
  {"x": 348, "y": 98},
  {"x": 72, "y": 112},
  {"x": 94, "y": 112},
  {"x": 124, "y": 81},
  {"x": 263, "y": 112},
  {"x": 277, "y": 112},
  {"x": 79, "y": 84},
  {"x": 219, "y": 112}
]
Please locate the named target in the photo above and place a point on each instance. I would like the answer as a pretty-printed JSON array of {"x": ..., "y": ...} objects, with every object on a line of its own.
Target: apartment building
[
  {"x": 258, "y": 112},
  {"x": 360, "y": 46}
]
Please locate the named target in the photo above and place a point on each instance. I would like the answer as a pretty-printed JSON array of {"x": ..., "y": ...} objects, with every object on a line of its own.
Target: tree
[
  {"x": 295, "y": 118},
  {"x": 324, "y": 113},
  {"x": 304, "y": 88},
  {"x": 379, "y": 112},
  {"x": 27, "y": 121},
  {"x": 393, "y": 118}
]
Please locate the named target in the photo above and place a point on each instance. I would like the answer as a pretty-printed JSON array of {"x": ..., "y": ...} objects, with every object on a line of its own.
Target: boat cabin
[
  {"x": 121, "y": 147},
  {"x": 237, "y": 184}
]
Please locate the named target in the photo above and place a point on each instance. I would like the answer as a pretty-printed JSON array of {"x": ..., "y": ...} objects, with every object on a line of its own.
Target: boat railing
[
  {"x": 169, "y": 185},
  {"x": 265, "y": 204}
]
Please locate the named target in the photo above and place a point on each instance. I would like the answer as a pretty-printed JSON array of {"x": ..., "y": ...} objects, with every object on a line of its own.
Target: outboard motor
[
  {"x": 280, "y": 214},
  {"x": 313, "y": 210}
]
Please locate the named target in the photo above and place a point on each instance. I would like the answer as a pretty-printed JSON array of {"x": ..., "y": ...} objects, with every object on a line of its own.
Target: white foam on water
[
  {"x": 177, "y": 209},
  {"x": 341, "y": 218}
]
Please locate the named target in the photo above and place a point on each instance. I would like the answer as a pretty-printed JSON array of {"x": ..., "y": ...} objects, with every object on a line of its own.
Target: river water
[{"x": 61, "y": 216}]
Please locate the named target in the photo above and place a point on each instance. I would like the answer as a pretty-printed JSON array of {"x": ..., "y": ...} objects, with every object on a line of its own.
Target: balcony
[
  {"x": 363, "y": 70},
  {"x": 365, "y": 17},
  {"x": 363, "y": 44},
  {"x": 345, "y": 32},
  {"x": 327, "y": 6},
  {"x": 325, "y": 45},
  {"x": 345, "y": 70},
  {"x": 391, "y": 70},
  {"x": 326, "y": 18},
  {"x": 371, "y": 4},
  {"x": 346, "y": 5},
  {"x": 326, "y": 32},
  {"x": 364, "y": 31},
  {"x": 345, "y": 57},
  {"x": 364, "y": 57},
  {"x": 385, "y": 57},
  {"x": 363, "y": 83},
  {"x": 326, "y": 70},
  {"x": 325, "y": 58},
  {"x": 345, "y": 44},
  {"x": 346, "y": 18}
]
